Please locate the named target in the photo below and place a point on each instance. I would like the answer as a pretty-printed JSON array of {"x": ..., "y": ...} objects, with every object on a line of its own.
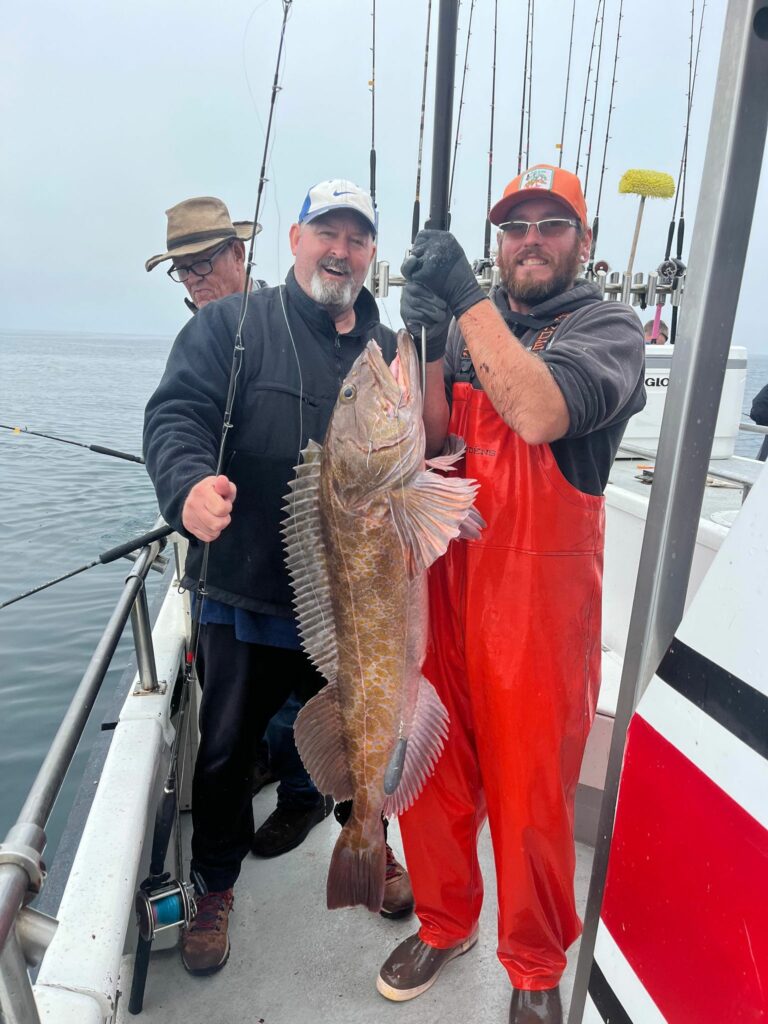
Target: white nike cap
[{"x": 338, "y": 194}]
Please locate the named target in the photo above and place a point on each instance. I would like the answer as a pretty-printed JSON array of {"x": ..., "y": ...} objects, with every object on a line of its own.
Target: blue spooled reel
[{"x": 165, "y": 906}]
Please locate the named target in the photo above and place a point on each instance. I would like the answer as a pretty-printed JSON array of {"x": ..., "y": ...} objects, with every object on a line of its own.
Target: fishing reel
[
  {"x": 164, "y": 903},
  {"x": 671, "y": 268}
]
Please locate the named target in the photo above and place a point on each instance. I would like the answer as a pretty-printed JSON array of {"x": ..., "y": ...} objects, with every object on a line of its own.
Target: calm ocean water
[{"x": 63, "y": 506}]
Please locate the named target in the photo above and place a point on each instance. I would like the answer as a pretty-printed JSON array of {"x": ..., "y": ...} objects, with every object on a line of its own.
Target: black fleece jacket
[{"x": 284, "y": 396}]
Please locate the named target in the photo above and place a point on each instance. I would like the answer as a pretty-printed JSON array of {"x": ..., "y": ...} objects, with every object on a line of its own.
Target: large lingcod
[{"x": 366, "y": 517}]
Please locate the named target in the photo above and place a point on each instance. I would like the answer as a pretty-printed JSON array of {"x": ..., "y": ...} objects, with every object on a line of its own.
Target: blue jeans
[{"x": 296, "y": 789}]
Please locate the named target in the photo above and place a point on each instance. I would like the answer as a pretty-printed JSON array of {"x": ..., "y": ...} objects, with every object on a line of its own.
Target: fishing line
[
  {"x": 417, "y": 201},
  {"x": 461, "y": 101},
  {"x": 99, "y": 449},
  {"x": 237, "y": 353},
  {"x": 487, "y": 238},
  {"x": 567, "y": 85}
]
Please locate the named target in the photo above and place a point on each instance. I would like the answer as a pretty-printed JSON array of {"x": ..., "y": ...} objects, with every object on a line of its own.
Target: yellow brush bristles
[{"x": 648, "y": 183}]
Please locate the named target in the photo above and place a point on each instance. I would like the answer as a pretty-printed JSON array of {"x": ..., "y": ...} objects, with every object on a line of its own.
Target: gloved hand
[
  {"x": 419, "y": 307},
  {"x": 437, "y": 261}
]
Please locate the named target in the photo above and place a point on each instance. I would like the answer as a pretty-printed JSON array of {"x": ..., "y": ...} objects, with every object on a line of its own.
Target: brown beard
[{"x": 564, "y": 272}]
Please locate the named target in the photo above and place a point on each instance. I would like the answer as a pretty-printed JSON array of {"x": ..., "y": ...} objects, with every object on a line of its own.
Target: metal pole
[
  {"x": 443, "y": 129},
  {"x": 17, "y": 1000},
  {"x": 723, "y": 220},
  {"x": 46, "y": 786},
  {"x": 142, "y": 639}
]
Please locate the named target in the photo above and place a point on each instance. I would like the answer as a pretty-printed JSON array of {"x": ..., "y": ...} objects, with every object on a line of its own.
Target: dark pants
[
  {"x": 295, "y": 789},
  {"x": 243, "y": 686}
]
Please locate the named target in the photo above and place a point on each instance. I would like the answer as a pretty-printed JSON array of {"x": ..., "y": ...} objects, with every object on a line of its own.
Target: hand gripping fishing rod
[
  {"x": 63, "y": 440},
  {"x": 162, "y": 902}
]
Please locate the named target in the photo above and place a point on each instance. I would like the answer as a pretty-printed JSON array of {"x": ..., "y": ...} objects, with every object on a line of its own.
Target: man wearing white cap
[{"x": 299, "y": 342}]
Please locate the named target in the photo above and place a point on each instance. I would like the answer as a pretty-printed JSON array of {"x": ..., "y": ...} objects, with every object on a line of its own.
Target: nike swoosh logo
[{"x": 343, "y": 193}]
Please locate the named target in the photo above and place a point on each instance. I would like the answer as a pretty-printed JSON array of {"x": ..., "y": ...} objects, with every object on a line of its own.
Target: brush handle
[{"x": 634, "y": 241}]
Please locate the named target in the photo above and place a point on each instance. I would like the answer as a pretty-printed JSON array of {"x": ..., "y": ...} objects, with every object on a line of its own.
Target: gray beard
[{"x": 335, "y": 296}]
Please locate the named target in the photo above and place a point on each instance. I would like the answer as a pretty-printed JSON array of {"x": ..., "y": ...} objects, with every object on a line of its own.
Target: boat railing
[
  {"x": 25, "y": 933},
  {"x": 743, "y": 472}
]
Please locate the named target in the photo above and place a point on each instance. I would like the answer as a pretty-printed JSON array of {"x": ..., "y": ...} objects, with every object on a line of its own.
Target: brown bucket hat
[{"x": 198, "y": 224}]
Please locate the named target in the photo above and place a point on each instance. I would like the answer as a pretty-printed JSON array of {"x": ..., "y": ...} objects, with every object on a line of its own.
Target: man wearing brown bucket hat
[
  {"x": 541, "y": 377},
  {"x": 206, "y": 249},
  {"x": 299, "y": 342}
]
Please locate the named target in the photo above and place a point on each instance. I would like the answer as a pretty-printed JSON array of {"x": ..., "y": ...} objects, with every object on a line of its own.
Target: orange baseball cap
[{"x": 537, "y": 179}]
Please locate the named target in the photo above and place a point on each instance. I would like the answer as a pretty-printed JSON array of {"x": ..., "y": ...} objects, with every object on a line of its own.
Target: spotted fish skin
[{"x": 366, "y": 517}]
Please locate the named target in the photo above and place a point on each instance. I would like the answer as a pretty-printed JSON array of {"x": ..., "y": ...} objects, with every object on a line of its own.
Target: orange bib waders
[{"x": 514, "y": 653}]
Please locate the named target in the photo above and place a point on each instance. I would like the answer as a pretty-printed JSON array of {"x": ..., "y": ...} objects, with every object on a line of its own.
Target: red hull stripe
[
  {"x": 687, "y": 889},
  {"x": 736, "y": 705}
]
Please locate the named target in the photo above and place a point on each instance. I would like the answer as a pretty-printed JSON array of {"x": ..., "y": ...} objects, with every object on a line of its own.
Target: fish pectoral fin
[
  {"x": 453, "y": 450},
  {"x": 425, "y": 742},
  {"x": 320, "y": 743},
  {"x": 430, "y": 513},
  {"x": 307, "y": 566}
]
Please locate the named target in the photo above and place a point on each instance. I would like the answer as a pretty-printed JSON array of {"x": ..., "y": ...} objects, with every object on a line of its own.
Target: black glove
[
  {"x": 437, "y": 261},
  {"x": 419, "y": 307}
]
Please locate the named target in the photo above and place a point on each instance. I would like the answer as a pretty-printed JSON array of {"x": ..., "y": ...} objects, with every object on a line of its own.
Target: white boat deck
[{"x": 294, "y": 961}]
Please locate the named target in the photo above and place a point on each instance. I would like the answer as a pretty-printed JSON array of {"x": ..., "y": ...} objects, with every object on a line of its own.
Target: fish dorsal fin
[
  {"x": 428, "y": 514},
  {"x": 425, "y": 740},
  {"x": 307, "y": 566}
]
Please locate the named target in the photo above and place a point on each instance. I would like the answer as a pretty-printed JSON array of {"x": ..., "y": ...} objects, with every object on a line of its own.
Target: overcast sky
[{"x": 109, "y": 114}]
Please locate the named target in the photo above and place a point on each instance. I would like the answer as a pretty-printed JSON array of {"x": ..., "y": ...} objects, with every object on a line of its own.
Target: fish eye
[{"x": 348, "y": 393}]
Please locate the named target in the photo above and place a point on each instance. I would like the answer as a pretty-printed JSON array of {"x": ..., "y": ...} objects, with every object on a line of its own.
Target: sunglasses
[{"x": 552, "y": 227}]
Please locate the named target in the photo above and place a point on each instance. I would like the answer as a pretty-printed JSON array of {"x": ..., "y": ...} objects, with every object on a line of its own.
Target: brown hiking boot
[
  {"x": 205, "y": 944},
  {"x": 413, "y": 967},
  {"x": 398, "y": 895}
]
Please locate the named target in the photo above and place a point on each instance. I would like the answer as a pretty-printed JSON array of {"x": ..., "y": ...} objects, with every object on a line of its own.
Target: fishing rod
[
  {"x": 160, "y": 902},
  {"x": 461, "y": 102},
  {"x": 237, "y": 352},
  {"x": 530, "y": 94},
  {"x": 672, "y": 268},
  {"x": 439, "y": 206},
  {"x": 594, "y": 98},
  {"x": 416, "y": 220},
  {"x": 373, "y": 107},
  {"x": 596, "y": 220},
  {"x": 487, "y": 239},
  {"x": 567, "y": 85},
  {"x": 586, "y": 87},
  {"x": 99, "y": 449},
  {"x": 110, "y": 555},
  {"x": 525, "y": 84}
]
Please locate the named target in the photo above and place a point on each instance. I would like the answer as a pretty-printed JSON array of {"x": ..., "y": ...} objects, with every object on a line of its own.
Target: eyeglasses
[
  {"x": 552, "y": 227},
  {"x": 200, "y": 269}
]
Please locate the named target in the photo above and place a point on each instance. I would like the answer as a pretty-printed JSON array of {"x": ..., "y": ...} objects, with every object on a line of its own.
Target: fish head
[{"x": 376, "y": 435}]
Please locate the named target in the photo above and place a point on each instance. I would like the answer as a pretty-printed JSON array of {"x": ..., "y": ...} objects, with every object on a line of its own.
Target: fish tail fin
[{"x": 357, "y": 873}]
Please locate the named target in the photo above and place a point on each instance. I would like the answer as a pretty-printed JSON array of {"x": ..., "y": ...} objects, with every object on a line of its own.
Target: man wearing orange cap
[{"x": 541, "y": 378}]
